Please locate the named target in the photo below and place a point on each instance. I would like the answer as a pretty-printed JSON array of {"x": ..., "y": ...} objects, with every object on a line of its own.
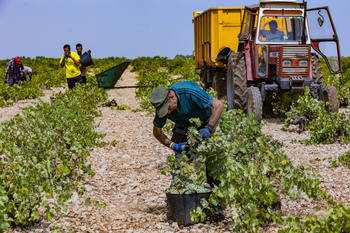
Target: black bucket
[
  {"x": 85, "y": 59},
  {"x": 223, "y": 55},
  {"x": 180, "y": 206}
]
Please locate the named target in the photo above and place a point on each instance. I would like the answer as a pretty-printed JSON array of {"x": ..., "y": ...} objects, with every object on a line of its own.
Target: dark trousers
[
  {"x": 83, "y": 79},
  {"x": 71, "y": 81},
  {"x": 13, "y": 80},
  {"x": 180, "y": 132}
]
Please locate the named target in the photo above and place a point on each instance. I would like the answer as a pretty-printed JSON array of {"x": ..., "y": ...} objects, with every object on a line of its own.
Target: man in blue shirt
[{"x": 181, "y": 102}]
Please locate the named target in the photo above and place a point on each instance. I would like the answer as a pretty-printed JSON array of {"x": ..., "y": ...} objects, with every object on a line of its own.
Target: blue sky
[{"x": 129, "y": 28}]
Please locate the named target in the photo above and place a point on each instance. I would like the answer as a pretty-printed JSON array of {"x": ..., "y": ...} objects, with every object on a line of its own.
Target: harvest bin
[
  {"x": 214, "y": 29},
  {"x": 180, "y": 206},
  {"x": 86, "y": 59}
]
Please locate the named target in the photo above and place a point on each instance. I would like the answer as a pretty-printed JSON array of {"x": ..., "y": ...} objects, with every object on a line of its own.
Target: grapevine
[{"x": 44, "y": 154}]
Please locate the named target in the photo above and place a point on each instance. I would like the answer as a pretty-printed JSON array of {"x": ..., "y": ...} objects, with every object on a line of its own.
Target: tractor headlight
[
  {"x": 287, "y": 63},
  {"x": 303, "y": 63}
]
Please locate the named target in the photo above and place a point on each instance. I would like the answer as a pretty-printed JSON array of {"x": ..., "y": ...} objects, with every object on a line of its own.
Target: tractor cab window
[{"x": 281, "y": 28}]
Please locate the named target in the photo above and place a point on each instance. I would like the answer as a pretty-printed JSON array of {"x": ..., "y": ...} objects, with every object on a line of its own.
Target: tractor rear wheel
[
  {"x": 236, "y": 78},
  {"x": 316, "y": 69},
  {"x": 254, "y": 102},
  {"x": 316, "y": 75},
  {"x": 239, "y": 95},
  {"x": 330, "y": 94}
]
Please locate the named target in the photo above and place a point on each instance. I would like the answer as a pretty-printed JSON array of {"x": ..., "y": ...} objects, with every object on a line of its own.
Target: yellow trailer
[{"x": 214, "y": 29}]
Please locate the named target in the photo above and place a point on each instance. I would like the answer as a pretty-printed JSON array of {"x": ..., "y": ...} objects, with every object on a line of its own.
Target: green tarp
[{"x": 110, "y": 77}]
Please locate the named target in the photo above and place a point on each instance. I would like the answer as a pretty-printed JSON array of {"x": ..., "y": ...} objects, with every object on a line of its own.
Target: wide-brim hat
[{"x": 159, "y": 99}]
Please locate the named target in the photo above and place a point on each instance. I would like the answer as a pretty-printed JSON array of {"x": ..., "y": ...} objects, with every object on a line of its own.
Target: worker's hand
[
  {"x": 206, "y": 131},
  {"x": 5, "y": 81},
  {"x": 89, "y": 51},
  {"x": 179, "y": 147}
]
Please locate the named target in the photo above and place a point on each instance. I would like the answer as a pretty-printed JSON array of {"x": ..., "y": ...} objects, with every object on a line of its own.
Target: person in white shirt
[{"x": 26, "y": 71}]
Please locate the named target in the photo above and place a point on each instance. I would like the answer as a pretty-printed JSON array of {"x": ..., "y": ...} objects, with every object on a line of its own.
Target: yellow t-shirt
[{"x": 72, "y": 70}]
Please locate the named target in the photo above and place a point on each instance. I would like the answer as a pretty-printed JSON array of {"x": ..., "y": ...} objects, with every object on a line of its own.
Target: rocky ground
[{"x": 128, "y": 181}]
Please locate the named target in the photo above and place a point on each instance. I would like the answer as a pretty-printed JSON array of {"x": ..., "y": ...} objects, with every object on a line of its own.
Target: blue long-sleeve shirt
[{"x": 194, "y": 102}]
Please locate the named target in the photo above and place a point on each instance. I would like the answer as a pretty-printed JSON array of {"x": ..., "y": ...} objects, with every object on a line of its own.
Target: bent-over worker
[
  {"x": 26, "y": 71},
  {"x": 13, "y": 70},
  {"x": 181, "y": 102}
]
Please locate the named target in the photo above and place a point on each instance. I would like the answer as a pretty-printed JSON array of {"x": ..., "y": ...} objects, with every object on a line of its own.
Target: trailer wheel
[
  {"x": 254, "y": 103},
  {"x": 236, "y": 78},
  {"x": 203, "y": 78},
  {"x": 330, "y": 94},
  {"x": 219, "y": 84}
]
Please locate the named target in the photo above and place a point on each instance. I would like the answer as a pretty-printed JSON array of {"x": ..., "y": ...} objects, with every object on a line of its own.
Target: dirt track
[{"x": 128, "y": 181}]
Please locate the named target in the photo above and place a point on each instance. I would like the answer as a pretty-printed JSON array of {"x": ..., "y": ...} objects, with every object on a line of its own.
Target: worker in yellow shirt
[{"x": 70, "y": 60}]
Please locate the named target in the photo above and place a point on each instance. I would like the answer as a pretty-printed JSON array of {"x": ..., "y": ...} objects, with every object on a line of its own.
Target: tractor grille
[{"x": 295, "y": 52}]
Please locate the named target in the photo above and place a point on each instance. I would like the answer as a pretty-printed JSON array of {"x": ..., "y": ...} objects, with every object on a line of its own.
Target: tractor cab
[
  {"x": 271, "y": 46},
  {"x": 280, "y": 45}
]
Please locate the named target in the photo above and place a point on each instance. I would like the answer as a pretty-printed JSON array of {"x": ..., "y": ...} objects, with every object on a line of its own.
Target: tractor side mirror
[{"x": 320, "y": 19}]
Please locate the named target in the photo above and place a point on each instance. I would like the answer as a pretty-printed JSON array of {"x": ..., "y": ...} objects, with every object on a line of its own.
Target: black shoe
[{"x": 168, "y": 215}]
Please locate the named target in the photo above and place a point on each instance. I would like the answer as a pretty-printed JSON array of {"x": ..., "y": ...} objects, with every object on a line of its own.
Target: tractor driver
[{"x": 273, "y": 34}]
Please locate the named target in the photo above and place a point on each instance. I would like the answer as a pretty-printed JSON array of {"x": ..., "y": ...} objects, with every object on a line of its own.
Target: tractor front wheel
[{"x": 254, "y": 102}]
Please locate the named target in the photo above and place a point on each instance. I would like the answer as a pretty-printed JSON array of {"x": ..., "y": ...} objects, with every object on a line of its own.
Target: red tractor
[{"x": 275, "y": 50}]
